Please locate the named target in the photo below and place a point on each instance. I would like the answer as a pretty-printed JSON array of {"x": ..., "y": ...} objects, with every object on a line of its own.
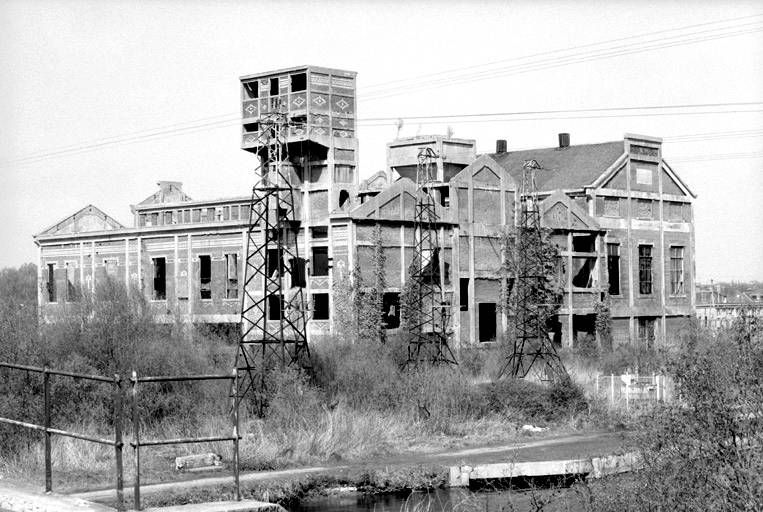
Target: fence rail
[
  {"x": 119, "y": 413},
  {"x": 49, "y": 431},
  {"x": 633, "y": 390}
]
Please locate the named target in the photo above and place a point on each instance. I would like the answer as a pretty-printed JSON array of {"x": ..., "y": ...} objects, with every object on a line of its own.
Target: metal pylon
[
  {"x": 531, "y": 343},
  {"x": 430, "y": 320},
  {"x": 273, "y": 313}
]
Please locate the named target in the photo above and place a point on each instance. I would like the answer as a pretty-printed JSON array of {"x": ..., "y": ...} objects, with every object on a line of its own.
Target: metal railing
[
  {"x": 634, "y": 389},
  {"x": 117, "y": 442},
  {"x": 49, "y": 431},
  {"x": 137, "y": 443}
]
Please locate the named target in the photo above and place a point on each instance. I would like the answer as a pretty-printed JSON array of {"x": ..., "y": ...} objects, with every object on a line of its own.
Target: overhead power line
[
  {"x": 484, "y": 117},
  {"x": 224, "y": 120}
]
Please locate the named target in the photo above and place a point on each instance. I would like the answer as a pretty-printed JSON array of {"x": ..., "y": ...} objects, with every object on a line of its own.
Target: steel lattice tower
[
  {"x": 531, "y": 342},
  {"x": 431, "y": 318},
  {"x": 273, "y": 319}
]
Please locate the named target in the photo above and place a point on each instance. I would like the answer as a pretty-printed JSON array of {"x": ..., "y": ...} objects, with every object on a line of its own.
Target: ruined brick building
[{"x": 620, "y": 215}]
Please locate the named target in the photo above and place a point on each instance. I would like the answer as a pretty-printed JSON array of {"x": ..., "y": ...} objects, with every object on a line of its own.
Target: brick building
[{"x": 620, "y": 215}]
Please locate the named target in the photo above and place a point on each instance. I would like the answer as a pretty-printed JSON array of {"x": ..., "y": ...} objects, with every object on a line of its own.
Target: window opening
[
  {"x": 299, "y": 82},
  {"x": 251, "y": 127},
  {"x": 274, "y": 86},
  {"x": 445, "y": 196},
  {"x": 71, "y": 288},
  {"x": 487, "y": 327},
  {"x": 321, "y": 306},
  {"x": 344, "y": 196},
  {"x": 320, "y": 261},
  {"x": 274, "y": 307},
  {"x": 645, "y": 269},
  {"x": 160, "y": 279},
  {"x": 168, "y": 219},
  {"x": 583, "y": 271},
  {"x": 252, "y": 89},
  {"x": 231, "y": 276},
  {"x": 584, "y": 243},
  {"x": 298, "y": 268},
  {"x": 319, "y": 232},
  {"x": 613, "y": 268},
  {"x": 205, "y": 277},
  {"x": 273, "y": 261},
  {"x": 51, "y": 283},
  {"x": 646, "y": 331},
  {"x": 676, "y": 270},
  {"x": 463, "y": 292},
  {"x": 391, "y": 310}
]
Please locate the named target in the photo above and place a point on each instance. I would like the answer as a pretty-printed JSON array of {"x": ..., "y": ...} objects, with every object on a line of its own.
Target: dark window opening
[
  {"x": 154, "y": 219},
  {"x": 160, "y": 279},
  {"x": 319, "y": 232},
  {"x": 445, "y": 196},
  {"x": 251, "y": 127},
  {"x": 463, "y": 292},
  {"x": 431, "y": 271},
  {"x": 320, "y": 306},
  {"x": 205, "y": 277},
  {"x": 391, "y": 310},
  {"x": 51, "y": 283},
  {"x": 231, "y": 276},
  {"x": 299, "y": 82},
  {"x": 583, "y": 271},
  {"x": 298, "y": 271},
  {"x": 320, "y": 261},
  {"x": 584, "y": 243},
  {"x": 487, "y": 326},
  {"x": 584, "y": 331},
  {"x": 613, "y": 268},
  {"x": 274, "y": 307},
  {"x": 645, "y": 269},
  {"x": 168, "y": 218},
  {"x": 252, "y": 89},
  {"x": 344, "y": 196},
  {"x": 274, "y": 86},
  {"x": 273, "y": 261}
]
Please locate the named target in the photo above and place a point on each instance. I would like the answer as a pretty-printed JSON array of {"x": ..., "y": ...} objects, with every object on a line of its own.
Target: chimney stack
[
  {"x": 564, "y": 140},
  {"x": 501, "y": 146}
]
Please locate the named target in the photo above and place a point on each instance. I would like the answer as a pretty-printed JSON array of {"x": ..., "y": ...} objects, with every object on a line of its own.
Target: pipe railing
[{"x": 49, "y": 431}]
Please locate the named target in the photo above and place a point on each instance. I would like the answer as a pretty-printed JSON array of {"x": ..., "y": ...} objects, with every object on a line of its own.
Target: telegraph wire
[
  {"x": 556, "y": 51},
  {"x": 536, "y": 115}
]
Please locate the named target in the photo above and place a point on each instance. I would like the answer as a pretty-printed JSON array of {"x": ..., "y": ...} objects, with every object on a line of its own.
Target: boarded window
[
  {"x": 187, "y": 216},
  {"x": 320, "y": 261},
  {"x": 205, "y": 277},
  {"x": 646, "y": 331},
  {"x": 613, "y": 268},
  {"x": 643, "y": 176},
  {"x": 321, "y": 306},
  {"x": 343, "y": 173},
  {"x": 111, "y": 267},
  {"x": 645, "y": 269},
  {"x": 612, "y": 206},
  {"x": 71, "y": 287},
  {"x": 160, "y": 279},
  {"x": 487, "y": 325},
  {"x": 234, "y": 212},
  {"x": 231, "y": 276},
  {"x": 644, "y": 208},
  {"x": 676, "y": 270},
  {"x": 51, "y": 285},
  {"x": 168, "y": 219},
  {"x": 197, "y": 215},
  {"x": 463, "y": 292}
]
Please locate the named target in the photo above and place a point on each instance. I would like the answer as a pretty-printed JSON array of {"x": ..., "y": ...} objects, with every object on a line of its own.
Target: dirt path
[{"x": 552, "y": 448}]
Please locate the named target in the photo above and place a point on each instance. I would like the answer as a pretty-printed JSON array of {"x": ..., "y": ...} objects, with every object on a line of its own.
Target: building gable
[
  {"x": 558, "y": 211},
  {"x": 169, "y": 192},
  {"x": 484, "y": 171},
  {"x": 89, "y": 218},
  {"x": 393, "y": 204}
]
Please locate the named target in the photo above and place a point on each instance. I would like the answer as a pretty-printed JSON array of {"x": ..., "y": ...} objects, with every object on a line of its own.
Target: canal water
[{"x": 447, "y": 500}]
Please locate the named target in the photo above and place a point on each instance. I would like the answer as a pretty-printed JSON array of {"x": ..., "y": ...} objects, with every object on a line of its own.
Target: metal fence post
[
  {"x": 118, "y": 445},
  {"x": 136, "y": 438},
  {"x": 46, "y": 422},
  {"x": 236, "y": 463}
]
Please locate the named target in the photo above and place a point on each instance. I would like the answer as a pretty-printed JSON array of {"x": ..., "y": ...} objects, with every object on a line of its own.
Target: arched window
[{"x": 344, "y": 197}]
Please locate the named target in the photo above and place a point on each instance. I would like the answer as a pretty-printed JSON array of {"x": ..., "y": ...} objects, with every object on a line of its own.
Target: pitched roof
[
  {"x": 563, "y": 168},
  {"x": 89, "y": 218}
]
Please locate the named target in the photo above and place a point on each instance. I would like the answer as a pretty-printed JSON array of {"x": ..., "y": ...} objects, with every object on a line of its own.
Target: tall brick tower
[{"x": 300, "y": 123}]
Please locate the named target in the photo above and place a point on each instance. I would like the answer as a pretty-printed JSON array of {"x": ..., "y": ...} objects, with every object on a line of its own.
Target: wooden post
[
  {"x": 136, "y": 439},
  {"x": 118, "y": 445},
  {"x": 46, "y": 406},
  {"x": 236, "y": 435}
]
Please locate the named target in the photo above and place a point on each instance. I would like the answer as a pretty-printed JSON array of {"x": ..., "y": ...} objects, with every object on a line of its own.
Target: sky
[{"x": 99, "y": 100}]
